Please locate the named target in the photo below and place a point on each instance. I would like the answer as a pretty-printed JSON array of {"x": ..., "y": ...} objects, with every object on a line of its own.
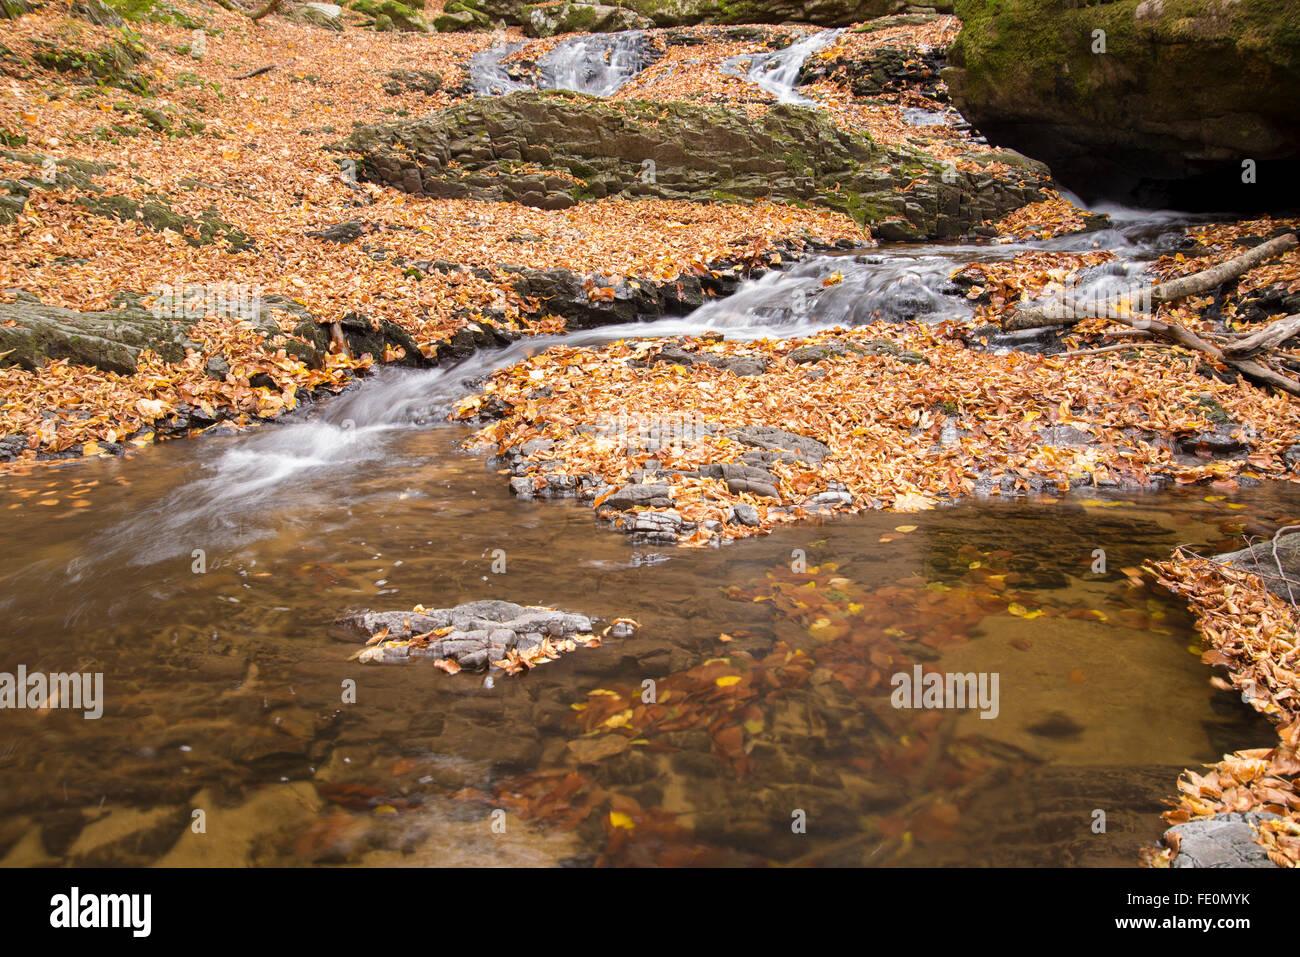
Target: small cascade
[
  {"x": 597, "y": 65},
  {"x": 778, "y": 72}
]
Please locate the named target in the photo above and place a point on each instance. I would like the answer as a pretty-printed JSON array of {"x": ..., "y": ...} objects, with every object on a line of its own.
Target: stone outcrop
[
  {"x": 477, "y": 634},
  {"x": 676, "y": 13},
  {"x": 1225, "y": 840},
  {"x": 554, "y": 149},
  {"x": 1183, "y": 95},
  {"x": 548, "y": 20},
  {"x": 32, "y": 333}
]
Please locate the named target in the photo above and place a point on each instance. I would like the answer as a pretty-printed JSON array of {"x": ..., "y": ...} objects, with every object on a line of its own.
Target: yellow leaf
[
  {"x": 619, "y": 819},
  {"x": 726, "y": 681}
]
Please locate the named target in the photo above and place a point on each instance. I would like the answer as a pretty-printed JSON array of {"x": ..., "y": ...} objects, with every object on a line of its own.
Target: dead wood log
[
  {"x": 1067, "y": 314},
  {"x": 1274, "y": 334}
]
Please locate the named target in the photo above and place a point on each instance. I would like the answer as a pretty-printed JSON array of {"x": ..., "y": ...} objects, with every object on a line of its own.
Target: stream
[
  {"x": 204, "y": 579},
  {"x": 222, "y": 682}
]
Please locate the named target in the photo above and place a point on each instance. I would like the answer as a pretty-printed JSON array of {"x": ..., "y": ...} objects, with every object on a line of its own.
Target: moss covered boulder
[
  {"x": 554, "y": 149},
  {"x": 1164, "y": 102},
  {"x": 549, "y": 19},
  {"x": 393, "y": 15},
  {"x": 675, "y": 13}
]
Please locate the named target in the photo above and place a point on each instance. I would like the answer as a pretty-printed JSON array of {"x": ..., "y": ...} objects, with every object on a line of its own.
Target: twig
[
  {"x": 1118, "y": 347},
  {"x": 257, "y": 72},
  {"x": 1278, "y": 561}
]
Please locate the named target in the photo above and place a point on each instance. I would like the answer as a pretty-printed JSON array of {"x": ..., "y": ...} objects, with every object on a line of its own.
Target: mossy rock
[
  {"x": 1184, "y": 92},
  {"x": 112, "y": 64},
  {"x": 393, "y": 15},
  {"x": 157, "y": 213},
  {"x": 13, "y": 9},
  {"x": 546, "y": 20},
  {"x": 589, "y": 149}
]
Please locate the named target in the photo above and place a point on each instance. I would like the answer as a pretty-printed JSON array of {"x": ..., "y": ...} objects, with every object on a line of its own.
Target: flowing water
[
  {"x": 778, "y": 72},
  {"x": 598, "y": 65},
  {"x": 203, "y": 580}
]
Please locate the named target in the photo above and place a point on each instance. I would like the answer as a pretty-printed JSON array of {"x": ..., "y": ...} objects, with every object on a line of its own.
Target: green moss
[
  {"x": 112, "y": 64},
  {"x": 155, "y": 11}
]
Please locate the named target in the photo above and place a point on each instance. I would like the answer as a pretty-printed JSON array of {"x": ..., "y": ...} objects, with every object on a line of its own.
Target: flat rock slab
[
  {"x": 480, "y": 634},
  {"x": 1225, "y": 840}
]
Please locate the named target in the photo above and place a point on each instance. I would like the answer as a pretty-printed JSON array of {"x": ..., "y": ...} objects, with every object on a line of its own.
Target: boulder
[
  {"x": 458, "y": 16},
  {"x": 1166, "y": 115},
  {"x": 547, "y": 20},
  {"x": 675, "y": 13},
  {"x": 1259, "y": 560},
  {"x": 393, "y": 15},
  {"x": 588, "y": 149},
  {"x": 1225, "y": 840},
  {"x": 327, "y": 15}
]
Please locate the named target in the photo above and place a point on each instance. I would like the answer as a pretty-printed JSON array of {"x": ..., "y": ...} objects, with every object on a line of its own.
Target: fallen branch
[
  {"x": 1118, "y": 347},
  {"x": 1274, "y": 334},
  {"x": 1216, "y": 276},
  {"x": 1067, "y": 314},
  {"x": 257, "y": 72}
]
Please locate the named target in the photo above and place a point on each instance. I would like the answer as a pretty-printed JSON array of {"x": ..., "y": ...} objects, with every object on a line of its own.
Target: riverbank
[{"x": 197, "y": 194}]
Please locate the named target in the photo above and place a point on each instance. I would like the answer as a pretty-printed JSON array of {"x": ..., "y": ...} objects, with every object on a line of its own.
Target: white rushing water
[
  {"x": 778, "y": 72},
  {"x": 329, "y": 450},
  {"x": 598, "y": 65}
]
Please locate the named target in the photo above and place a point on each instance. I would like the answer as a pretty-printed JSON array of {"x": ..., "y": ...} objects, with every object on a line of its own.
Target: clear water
[{"x": 225, "y": 688}]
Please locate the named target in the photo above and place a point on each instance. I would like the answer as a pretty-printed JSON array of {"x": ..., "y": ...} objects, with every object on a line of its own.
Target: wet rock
[
  {"x": 1225, "y": 840},
  {"x": 475, "y": 634},
  {"x": 1259, "y": 560},
  {"x": 743, "y": 478},
  {"x": 773, "y": 439},
  {"x": 884, "y": 70},
  {"x": 1219, "y": 443},
  {"x": 125, "y": 837},
  {"x": 746, "y": 514},
  {"x": 631, "y": 496},
  {"x": 740, "y": 365},
  {"x": 12, "y": 446}
]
